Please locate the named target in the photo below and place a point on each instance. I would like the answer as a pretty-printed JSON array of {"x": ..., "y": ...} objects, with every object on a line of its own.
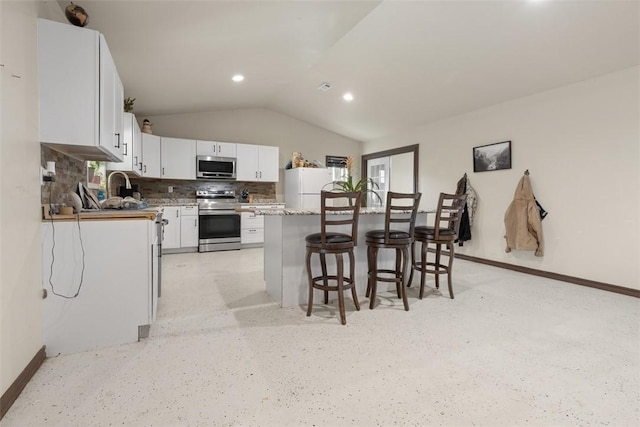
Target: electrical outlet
[{"x": 170, "y": 189}]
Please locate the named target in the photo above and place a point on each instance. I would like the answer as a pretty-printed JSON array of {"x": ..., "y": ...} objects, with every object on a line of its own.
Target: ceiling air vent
[{"x": 324, "y": 86}]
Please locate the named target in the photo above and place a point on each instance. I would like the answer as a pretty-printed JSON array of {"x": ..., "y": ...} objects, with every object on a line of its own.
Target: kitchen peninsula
[
  {"x": 285, "y": 251},
  {"x": 100, "y": 277}
]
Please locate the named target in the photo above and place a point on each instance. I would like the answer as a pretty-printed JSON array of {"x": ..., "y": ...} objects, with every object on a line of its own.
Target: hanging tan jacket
[{"x": 522, "y": 220}]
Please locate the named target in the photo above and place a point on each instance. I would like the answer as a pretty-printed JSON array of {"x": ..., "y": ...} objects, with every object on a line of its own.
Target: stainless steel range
[{"x": 219, "y": 228}]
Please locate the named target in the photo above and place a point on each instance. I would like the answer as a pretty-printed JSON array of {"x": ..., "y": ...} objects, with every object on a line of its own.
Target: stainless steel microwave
[{"x": 209, "y": 167}]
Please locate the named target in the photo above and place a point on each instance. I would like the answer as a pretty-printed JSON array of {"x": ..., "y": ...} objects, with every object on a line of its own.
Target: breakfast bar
[{"x": 285, "y": 251}]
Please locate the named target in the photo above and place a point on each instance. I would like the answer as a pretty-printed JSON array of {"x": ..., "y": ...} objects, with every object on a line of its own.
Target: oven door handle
[{"x": 217, "y": 212}]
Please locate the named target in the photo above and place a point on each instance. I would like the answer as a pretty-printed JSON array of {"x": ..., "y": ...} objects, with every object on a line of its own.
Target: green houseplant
[{"x": 365, "y": 185}]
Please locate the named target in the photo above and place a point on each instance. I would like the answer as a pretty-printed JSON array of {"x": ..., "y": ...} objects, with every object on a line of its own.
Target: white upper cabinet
[
  {"x": 150, "y": 156},
  {"x": 81, "y": 96},
  {"x": 257, "y": 163},
  {"x": 178, "y": 158},
  {"x": 111, "y": 103},
  {"x": 217, "y": 149},
  {"x": 268, "y": 158},
  {"x": 132, "y": 156}
]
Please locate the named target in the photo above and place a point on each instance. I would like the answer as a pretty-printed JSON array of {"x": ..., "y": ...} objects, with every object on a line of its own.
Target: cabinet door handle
[
  {"x": 118, "y": 139},
  {"x": 145, "y": 168},
  {"x": 141, "y": 167},
  {"x": 125, "y": 148},
  {"x": 256, "y": 174},
  {"x": 195, "y": 222},
  {"x": 135, "y": 160},
  {"x": 260, "y": 174},
  {"x": 162, "y": 171}
]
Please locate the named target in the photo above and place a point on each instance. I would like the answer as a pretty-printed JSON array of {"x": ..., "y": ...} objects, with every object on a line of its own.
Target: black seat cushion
[
  {"x": 332, "y": 238},
  {"x": 393, "y": 234},
  {"x": 430, "y": 232}
]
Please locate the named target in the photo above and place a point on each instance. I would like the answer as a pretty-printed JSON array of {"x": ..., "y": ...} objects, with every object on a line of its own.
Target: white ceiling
[{"x": 406, "y": 62}]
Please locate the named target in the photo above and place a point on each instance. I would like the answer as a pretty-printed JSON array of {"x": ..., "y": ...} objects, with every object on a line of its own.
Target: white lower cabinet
[
  {"x": 189, "y": 227},
  {"x": 99, "y": 291},
  {"x": 252, "y": 225},
  {"x": 181, "y": 230},
  {"x": 171, "y": 235}
]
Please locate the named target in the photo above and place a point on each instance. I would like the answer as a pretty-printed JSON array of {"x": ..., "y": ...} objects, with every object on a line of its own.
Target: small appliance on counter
[{"x": 134, "y": 191}]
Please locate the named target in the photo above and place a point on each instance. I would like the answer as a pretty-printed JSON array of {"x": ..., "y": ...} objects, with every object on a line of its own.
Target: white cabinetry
[
  {"x": 257, "y": 163},
  {"x": 188, "y": 226},
  {"x": 132, "y": 144},
  {"x": 214, "y": 148},
  {"x": 111, "y": 103},
  {"x": 178, "y": 158},
  {"x": 181, "y": 231},
  {"x": 252, "y": 225},
  {"x": 81, "y": 95},
  {"x": 116, "y": 284},
  {"x": 171, "y": 237},
  {"x": 150, "y": 156}
]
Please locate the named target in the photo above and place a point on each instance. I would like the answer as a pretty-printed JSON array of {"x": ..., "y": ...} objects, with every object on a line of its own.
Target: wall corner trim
[{"x": 14, "y": 390}]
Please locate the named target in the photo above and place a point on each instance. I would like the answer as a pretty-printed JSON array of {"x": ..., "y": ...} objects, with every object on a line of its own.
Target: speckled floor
[{"x": 511, "y": 349}]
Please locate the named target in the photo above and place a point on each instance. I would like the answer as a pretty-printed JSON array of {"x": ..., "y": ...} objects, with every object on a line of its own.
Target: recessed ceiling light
[
  {"x": 237, "y": 78},
  {"x": 348, "y": 97}
]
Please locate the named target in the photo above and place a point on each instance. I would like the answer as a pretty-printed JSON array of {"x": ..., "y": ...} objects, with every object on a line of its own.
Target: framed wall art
[{"x": 492, "y": 157}]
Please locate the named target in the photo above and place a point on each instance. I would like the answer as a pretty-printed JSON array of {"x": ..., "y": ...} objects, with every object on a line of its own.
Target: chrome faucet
[{"x": 126, "y": 180}]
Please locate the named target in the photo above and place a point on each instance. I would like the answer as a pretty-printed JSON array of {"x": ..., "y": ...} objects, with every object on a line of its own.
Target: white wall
[
  {"x": 581, "y": 144},
  {"x": 257, "y": 126},
  {"x": 20, "y": 215},
  {"x": 401, "y": 176}
]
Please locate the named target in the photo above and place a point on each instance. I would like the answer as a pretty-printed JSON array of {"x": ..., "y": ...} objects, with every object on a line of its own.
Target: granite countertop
[
  {"x": 363, "y": 211},
  {"x": 262, "y": 202},
  {"x": 171, "y": 202}
]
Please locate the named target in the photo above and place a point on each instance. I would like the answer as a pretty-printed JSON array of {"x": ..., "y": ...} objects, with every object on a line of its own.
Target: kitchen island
[
  {"x": 100, "y": 275},
  {"x": 285, "y": 252}
]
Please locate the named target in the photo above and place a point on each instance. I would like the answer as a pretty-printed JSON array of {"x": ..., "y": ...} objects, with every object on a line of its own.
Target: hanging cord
[{"x": 53, "y": 257}]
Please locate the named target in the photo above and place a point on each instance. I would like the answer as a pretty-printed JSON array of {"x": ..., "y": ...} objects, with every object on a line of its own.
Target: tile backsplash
[
  {"x": 69, "y": 172},
  {"x": 159, "y": 188}
]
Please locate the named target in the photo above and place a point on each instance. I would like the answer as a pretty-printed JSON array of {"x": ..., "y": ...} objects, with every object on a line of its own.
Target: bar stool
[
  {"x": 389, "y": 238},
  {"x": 443, "y": 232},
  {"x": 344, "y": 209}
]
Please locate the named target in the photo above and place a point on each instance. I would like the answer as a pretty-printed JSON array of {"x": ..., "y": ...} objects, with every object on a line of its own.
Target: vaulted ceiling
[{"x": 405, "y": 62}]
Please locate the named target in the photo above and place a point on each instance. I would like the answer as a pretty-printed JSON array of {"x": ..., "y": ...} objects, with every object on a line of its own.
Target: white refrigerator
[{"x": 302, "y": 187}]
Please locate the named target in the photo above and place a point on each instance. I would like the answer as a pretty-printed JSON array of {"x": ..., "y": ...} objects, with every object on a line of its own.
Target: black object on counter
[{"x": 128, "y": 192}]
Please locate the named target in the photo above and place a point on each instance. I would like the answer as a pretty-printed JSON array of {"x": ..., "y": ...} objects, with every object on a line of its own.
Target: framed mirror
[{"x": 392, "y": 170}]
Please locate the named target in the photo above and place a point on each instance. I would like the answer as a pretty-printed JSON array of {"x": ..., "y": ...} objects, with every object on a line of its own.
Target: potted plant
[
  {"x": 128, "y": 104},
  {"x": 365, "y": 185}
]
